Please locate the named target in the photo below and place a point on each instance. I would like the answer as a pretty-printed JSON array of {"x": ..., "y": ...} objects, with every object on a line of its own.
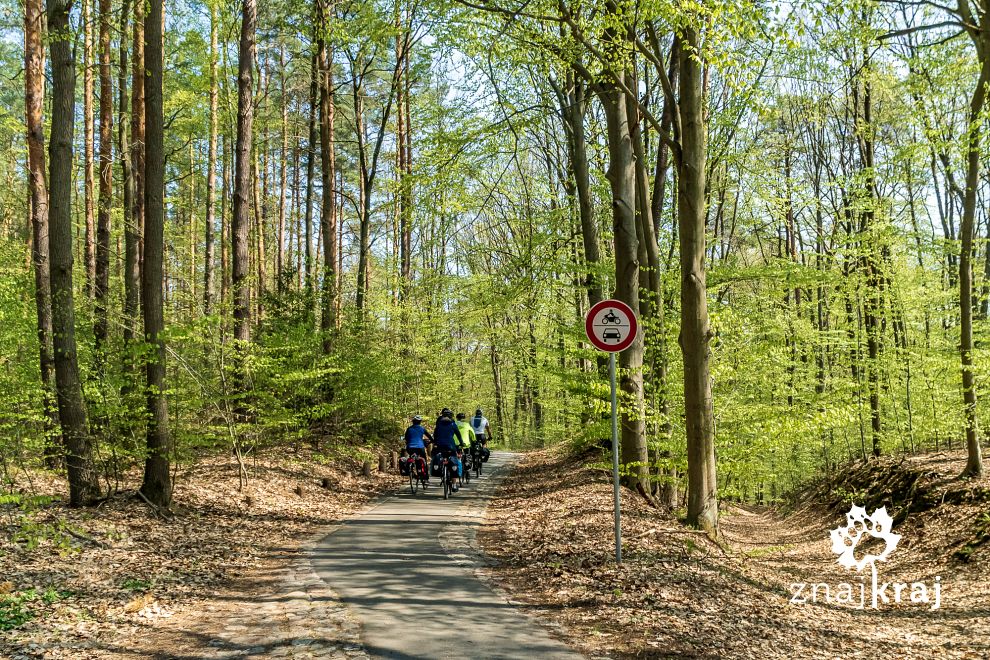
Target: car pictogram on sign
[{"x": 611, "y": 334}]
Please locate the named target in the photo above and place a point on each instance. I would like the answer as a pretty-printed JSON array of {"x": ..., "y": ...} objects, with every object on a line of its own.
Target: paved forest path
[{"x": 404, "y": 568}]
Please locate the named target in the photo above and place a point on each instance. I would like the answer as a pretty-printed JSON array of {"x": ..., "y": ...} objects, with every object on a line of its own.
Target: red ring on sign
[{"x": 599, "y": 342}]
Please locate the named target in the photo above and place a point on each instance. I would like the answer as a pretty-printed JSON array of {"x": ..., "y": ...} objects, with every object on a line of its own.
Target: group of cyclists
[{"x": 454, "y": 438}]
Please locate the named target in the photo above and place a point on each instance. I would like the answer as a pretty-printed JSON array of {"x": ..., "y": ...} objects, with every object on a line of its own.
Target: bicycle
[
  {"x": 466, "y": 466},
  {"x": 476, "y": 453},
  {"x": 417, "y": 474},
  {"x": 448, "y": 476}
]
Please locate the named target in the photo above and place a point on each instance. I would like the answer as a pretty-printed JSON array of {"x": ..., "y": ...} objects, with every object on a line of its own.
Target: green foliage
[{"x": 19, "y": 607}]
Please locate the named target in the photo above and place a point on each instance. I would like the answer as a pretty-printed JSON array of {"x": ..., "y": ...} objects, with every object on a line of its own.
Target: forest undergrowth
[
  {"x": 678, "y": 594},
  {"x": 84, "y": 582}
]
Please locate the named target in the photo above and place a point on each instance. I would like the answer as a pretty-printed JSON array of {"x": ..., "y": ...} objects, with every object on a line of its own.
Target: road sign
[{"x": 611, "y": 326}]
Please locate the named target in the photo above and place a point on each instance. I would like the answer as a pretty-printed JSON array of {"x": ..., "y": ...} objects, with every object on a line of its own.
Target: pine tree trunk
[
  {"x": 241, "y": 221},
  {"x": 311, "y": 148},
  {"x": 211, "y": 166},
  {"x": 260, "y": 256},
  {"x": 328, "y": 217},
  {"x": 695, "y": 330},
  {"x": 134, "y": 229},
  {"x": 34, "y": 103},
  {"x": 102, "y": 284},
  {"x": 88, "y": 152},
  {"x": 157, "y": 485},
  {"x": 83, "y": 481},
  {"x": 284, "y": 153},
  {"x": 123, "y": 147}
]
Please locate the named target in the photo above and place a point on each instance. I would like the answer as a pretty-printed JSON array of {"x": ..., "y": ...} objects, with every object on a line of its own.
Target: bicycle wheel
[
  {"x": 446, "y": 484},
  {"x": 413, "y": 481},
  {"x": 467, "y": 475}
]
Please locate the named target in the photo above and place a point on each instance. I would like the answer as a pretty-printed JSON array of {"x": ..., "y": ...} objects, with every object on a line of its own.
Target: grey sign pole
[{"x": 615, "y": 460}]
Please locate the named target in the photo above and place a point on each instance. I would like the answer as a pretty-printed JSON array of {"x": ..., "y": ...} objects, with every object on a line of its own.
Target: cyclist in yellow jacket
[{"x": 467, "y": 438}]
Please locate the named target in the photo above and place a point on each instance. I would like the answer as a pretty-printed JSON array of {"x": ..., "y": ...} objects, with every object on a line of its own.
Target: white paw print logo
[{"x": 859, "y": 525}]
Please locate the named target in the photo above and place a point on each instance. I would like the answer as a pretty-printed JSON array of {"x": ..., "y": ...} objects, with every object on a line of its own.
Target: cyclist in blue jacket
[
  {"x": 417, "y": 438},
  {"x": 447, "y": 440}
]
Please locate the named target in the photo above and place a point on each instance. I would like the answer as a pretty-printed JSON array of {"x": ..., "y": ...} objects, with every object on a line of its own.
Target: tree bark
[
  {"x": 621, "y": 176},
  {"x": 157, "y": 485},
  {"x": 211, "y": 177},
  {"x": 241, "y": 220},
  {"x": 134, "y": 229},
  {"x": 328, "y": 217},
  {"x": 974, "y": 455},
  {"x": 34, "y": 103},
  {"x": 123, "y": 147},
  {"x": 102, "y": 284},
  {"x": 695, "y": 330},
  {"x": 280, "y": 233},
  {"x": 88, "y": 151},
  {"x": 83, "y": 482},
  {"x": 311, "y": 148}
]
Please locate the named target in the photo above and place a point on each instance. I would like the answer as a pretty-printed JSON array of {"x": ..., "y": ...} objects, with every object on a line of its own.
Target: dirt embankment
[
  {"x": 108, "y": 580},
  {"x": 679, "y": 595}
]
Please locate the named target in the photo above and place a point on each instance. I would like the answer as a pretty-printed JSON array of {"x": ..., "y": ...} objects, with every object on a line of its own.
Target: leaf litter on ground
[
  {"x": 678, "y": 594},
  {"x": 116, "y": 580}
]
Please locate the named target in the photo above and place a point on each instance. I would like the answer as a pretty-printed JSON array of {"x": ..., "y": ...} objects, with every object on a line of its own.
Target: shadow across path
[{"x": 413, "y": 599}]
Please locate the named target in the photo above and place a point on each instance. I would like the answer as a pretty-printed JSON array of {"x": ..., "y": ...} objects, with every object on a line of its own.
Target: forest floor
[
  {"x": 116, "y": 580},
  {"x": 677, "y": 594}
]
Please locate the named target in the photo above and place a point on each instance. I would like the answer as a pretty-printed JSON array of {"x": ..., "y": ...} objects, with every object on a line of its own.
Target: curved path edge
[{"x": 384, "y": 564}]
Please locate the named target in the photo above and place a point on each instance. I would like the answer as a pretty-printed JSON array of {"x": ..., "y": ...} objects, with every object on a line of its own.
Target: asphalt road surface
[{"x": 415, "y": 599}]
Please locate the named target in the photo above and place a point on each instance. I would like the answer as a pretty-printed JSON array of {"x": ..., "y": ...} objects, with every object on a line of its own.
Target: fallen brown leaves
[
  {"x": 106, "y": 581},
  {"x": 677, "y": 594}
]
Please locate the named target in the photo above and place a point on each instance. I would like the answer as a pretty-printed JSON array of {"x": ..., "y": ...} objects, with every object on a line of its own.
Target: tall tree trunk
[
  {"x": 102, "y": 284},
  {"x": 134, "y": 229},
  {"x": 974, "y": 460},
  {"x": 241, "y": 221},
  {"x": 211, "y": 166},
  {"x": 259, "y": 220},
  {"x": 364, "y": 202},
  {"x": 403, "y": 155},
  {"x": 574, "y": 115},
  {"x": 622, "y": 181},
  {"x": 328, "y": 217},
  {"x": 83, "y": 482},
  {"x": 157, "y": 485},
  {"x": 280, "y": 233},
  {"x": 226, "y": 156},
  {"x": 695, "y": 330},
  {"x": 311, "y": 149},
  {"x": 873, "y": 304},
  {"x": 88, "y": 151},
  {"x": 123, "y": 147},
  {"x": 34, "y": 103}
]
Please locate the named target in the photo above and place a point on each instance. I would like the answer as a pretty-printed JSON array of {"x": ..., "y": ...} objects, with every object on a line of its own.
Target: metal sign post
[
  {"x": 611, "y": 326},
  {"x": 615, "y": 460}
]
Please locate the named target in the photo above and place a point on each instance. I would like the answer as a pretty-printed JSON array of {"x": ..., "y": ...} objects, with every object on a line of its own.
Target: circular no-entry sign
[{"x": 611, "y": 326}]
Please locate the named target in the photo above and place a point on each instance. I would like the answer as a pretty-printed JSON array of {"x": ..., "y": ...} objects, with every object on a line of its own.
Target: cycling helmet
[
  {"x": 417, "y": 419},
  {"x": 460, "y": 416},
  {"x": 447, "y": 412},
  {"x": 479, "y": 412}
]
